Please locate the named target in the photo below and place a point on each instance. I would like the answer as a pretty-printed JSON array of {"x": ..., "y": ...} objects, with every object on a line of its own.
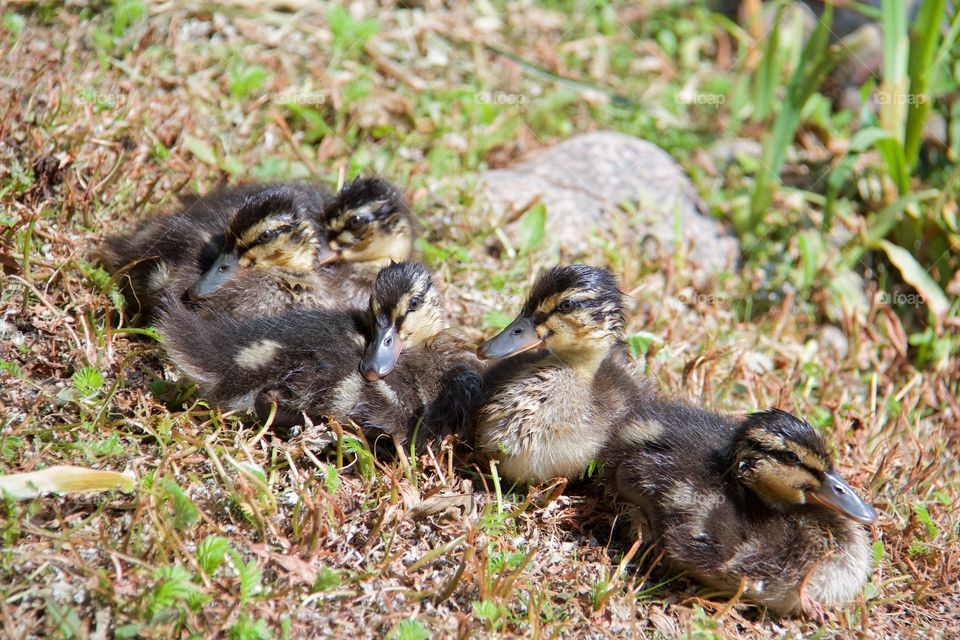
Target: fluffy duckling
[
  {"x": 333, "y": 362},
  {"x": 166, "y": 254},
  {"x": 546, "y": 413},
  {"x": 368, "y": 226},
  {"x": 270, "y": 258},
  {"x": 275, "y": 256},
  {"x": 754, "y": 504}
]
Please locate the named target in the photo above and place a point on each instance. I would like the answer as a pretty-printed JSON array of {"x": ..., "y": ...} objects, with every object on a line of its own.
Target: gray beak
[
  {"x": 216, "y": 276},
  {"x": 382, "y": 353},
  {"x": 836, "y": 494},
  {"x": 519, "y": 336}
]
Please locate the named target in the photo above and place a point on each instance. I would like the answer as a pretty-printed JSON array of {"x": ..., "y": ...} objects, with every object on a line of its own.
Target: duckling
[
  {"x": 274, "y": 256},
  {"x": 270, "y": 258},
  {"x": 548, "y": 408},
  {"x": 369, "y": 226},
  {"x": 168, "y": 253},
  {"x": 754, "y": 503},
  {"x": 392, "y": 368}
]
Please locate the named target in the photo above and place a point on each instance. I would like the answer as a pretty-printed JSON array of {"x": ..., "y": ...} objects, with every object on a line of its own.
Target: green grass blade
[
  {"x": 769, "y": 71},
  {"x": 924, "y": 70},
  {"x": 816, "y": 61},
  {"x": 896, "y": 48}
]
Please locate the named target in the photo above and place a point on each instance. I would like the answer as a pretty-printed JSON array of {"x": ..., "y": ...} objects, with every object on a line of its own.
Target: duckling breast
[
  {"x": 845, "y": 568},
  {"x": 541, "y": 424}
]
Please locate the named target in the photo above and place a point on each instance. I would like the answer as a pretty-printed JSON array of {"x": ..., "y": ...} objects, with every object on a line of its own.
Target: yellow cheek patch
[
  {"x": 377, "y": 246},
  {"x": 781, "y": 482},
  {"x": 427, "y": 320},
  {"x": 283, "y": 254},
  {"x": 422, "y": 324},
  {"x": 300, "y": 259},
  {"x": 573, "y": 329}
]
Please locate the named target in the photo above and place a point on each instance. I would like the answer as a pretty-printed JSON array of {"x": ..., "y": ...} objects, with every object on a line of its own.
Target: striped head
[
  {"x": 272, "y": 229},
  {"x": 783, "y": 460},
  {"x": 405, "y": 310},
  {"x": 575, "y": 311},
  {"x": 369, "y": 222}
]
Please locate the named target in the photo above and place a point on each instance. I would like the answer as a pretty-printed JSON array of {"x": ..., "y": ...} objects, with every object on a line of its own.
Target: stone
[{"x": 585, "y": 182}]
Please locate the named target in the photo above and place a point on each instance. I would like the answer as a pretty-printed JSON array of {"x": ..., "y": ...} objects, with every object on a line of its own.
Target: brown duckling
[
  {"x": 387, "y": 367},
  {"x": 274, "y": 256},
  {"x": 546, "y": 413},
  {"x": 166, "y": 254},
  {"x": 369, "y": 226},
  {"x": 749, "y": 505}
]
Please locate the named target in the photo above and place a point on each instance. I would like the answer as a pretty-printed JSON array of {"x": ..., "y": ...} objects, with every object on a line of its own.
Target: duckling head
[
  {"x": 784, "y": 461},
  {"x": 576, "y": 311},
  {"x": 369, "y": 222},
  {"x": 270, "y": 230},
  {"x": 405, "y": 310}
]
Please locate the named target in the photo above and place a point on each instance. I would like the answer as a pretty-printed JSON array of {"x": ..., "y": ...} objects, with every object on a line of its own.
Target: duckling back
[
  {"x": 236, "y": 359},
  {"x": 263, "y": 292}
]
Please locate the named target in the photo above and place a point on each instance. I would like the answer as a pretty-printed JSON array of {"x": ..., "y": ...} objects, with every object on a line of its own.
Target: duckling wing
[{"x": 451, "y": 412}]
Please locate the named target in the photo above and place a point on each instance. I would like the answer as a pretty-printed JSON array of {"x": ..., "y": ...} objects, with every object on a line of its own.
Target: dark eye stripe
[{"x": 783, "y": 456}]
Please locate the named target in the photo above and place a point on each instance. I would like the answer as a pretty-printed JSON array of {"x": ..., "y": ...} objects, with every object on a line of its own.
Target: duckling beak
[
  {"x": 326, "y": 255},
  {"x": 216, "y": 276},
  {"x": 836, "y": 494},
  {"x": 519, "y": 336},
  {"x": 382, "y": 353}
]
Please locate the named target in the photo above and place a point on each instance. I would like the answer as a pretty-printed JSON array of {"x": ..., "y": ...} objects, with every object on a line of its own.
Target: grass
[{"x": 111, "y": 111}]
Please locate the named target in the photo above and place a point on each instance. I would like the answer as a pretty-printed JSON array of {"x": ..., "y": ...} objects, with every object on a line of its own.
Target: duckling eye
[
  {"x": 355, "y": 221},
  {"x": 268, "y": 235},
  {"x": 791, "y": 457},
  {"x": 568, "y": 305},
  {"x": 414, "y": 303}
]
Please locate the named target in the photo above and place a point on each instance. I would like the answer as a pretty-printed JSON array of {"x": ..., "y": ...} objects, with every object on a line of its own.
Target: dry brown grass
[{"x": 94, "y": 136}]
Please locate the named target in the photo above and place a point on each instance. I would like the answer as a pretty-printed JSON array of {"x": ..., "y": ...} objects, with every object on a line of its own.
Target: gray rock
[{"x": 591, "y": 182}]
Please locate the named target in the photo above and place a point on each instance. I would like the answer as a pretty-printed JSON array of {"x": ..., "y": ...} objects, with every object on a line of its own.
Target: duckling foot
[{"x": 812, "y": 608}]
